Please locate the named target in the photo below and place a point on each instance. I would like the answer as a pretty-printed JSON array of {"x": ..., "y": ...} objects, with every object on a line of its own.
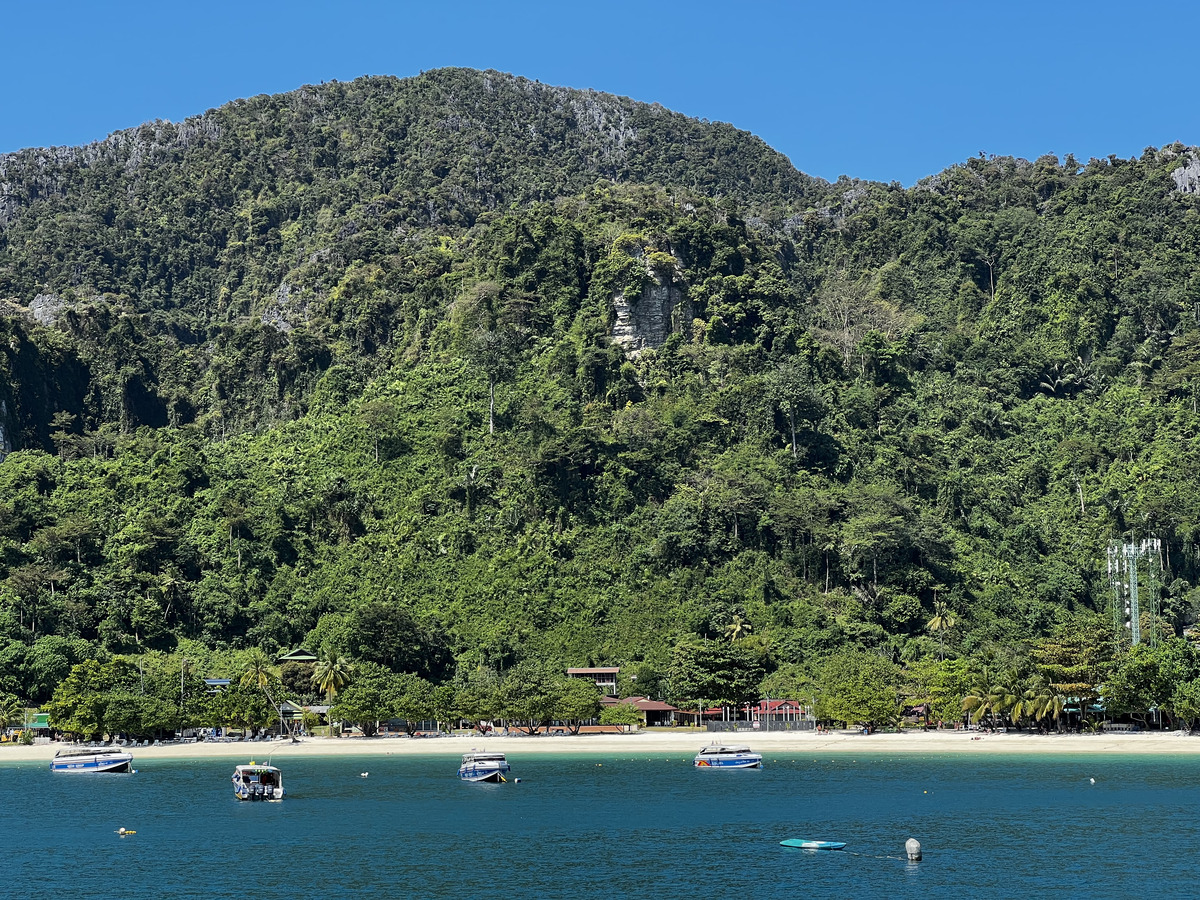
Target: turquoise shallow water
[{"x": 591, "y": 826}]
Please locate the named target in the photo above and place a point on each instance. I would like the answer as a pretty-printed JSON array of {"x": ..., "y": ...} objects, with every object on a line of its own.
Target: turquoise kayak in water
[{"x": 813, "y": 845}]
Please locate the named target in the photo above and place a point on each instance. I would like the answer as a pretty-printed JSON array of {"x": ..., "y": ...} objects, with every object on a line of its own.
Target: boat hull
[
  {"x": 100, "y": 762},
  {"x": 813, "y": 845},
  {"x": 750, "y": 762},
  {"x": 251, "y": 796},
  {"x": 484, "y": 773}
]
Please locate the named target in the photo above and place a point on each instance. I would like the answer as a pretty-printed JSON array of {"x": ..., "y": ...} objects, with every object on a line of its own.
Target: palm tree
[
  {"x": 11, "y": 711},
  {"x": 256, "y": 669},
  {"x": 257, "y": 672},
  {"x": 989, "y": 696},
  {"x": 738, "y": 629},
  {"x": 1045, "y": 701},
  {"x": 1027, "y": 704},
  {"x": 330, "y": 675},
  {"x": 1004, "y": 699},
  {"x": 943, "y": 620},
  {"x": 977, "y": 702}
]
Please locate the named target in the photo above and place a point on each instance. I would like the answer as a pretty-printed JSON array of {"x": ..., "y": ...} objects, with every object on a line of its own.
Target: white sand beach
[{"x": 658, "y": 743}]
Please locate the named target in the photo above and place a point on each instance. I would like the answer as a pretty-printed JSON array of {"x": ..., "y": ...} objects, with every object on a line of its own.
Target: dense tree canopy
[{"x": 338, "y": 368}]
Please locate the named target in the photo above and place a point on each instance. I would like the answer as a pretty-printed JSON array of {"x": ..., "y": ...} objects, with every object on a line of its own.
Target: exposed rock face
[
  {"x": 1187, "y": 176},
  {"x": 280, "y": 313},
  {"x": 5, "y": 444},
  {"x": 46, "y": 309},
  {"x": 645, "y": 321}
]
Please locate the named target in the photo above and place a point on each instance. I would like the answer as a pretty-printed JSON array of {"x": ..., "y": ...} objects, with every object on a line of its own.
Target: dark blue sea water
[{"x": 593, "y": 826}]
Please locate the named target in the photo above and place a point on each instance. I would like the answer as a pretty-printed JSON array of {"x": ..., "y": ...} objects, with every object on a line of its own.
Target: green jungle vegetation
[{"x": 337, "y": 368}]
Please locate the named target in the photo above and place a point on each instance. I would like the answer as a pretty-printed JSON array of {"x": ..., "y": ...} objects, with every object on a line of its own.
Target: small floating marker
[
  {"x": 1092, "y": 780},
  {"x": 124, "y": 831},
  {"x": 516, "y": 781},
  {"x": 363, "y": 774},
  {"x": 912, "y": 847}
]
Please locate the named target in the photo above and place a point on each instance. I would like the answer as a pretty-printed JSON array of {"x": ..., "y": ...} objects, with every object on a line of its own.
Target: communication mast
[{"x": 1134, "y": 577}]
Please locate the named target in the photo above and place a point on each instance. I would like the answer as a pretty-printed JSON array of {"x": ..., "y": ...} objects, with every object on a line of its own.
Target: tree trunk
[{"x": 491, "y": 407}]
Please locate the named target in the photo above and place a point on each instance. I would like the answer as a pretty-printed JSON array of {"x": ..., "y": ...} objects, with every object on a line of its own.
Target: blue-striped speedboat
[
  {"x": 92, "y": 760},
  {"x": 718, "y": 756}
]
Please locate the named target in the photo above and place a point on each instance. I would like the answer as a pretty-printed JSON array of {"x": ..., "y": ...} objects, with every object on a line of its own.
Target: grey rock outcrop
[
  {"x": 46, "y": 309},
  {"x": 645, "y": 321},
  {"x": 1187, "y": 176},
  {"x": 5, "y": 443},
  {"x": 282, "y": 313}
]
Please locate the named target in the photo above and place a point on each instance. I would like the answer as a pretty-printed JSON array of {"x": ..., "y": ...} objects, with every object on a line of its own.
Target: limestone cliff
[
  {"x": 645, "y": 319},
  {"x": 5, "y": 444}
]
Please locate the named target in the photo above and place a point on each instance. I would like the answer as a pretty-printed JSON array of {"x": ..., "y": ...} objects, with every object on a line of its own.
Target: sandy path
[{"x": 660, "y": 742}]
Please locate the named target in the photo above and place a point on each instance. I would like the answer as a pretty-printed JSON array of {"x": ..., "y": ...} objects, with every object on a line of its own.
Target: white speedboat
[
  {"x": 718, "y": 756},
  {"x": 95, "y": 759},
  {"x": 478, "y": 766},
  {"x": 257, "y": 782}
]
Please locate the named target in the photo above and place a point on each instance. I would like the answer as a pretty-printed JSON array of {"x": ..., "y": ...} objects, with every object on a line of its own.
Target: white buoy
[
  {"x": 363, "y": 774},
  {"x": 1092, "y": 780},
  {"x": 913, "y": 848}
]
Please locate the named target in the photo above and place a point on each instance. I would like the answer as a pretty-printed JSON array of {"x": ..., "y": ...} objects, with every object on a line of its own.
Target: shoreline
[{"x": 652, "y": 742}]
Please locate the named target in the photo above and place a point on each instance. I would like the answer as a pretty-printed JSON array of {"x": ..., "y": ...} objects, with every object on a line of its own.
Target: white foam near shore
[{"x": 663, "y": 742}]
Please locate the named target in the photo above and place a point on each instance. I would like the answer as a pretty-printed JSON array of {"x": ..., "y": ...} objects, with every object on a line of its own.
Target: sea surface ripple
[{"x": 612, "y": 826}]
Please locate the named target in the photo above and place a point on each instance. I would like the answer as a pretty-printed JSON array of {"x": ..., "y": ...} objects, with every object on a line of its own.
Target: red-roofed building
[
  {"x": 654, "y": 712},
  {"x": 777, "y": 710},
  {"x": 762, "y": 714}
]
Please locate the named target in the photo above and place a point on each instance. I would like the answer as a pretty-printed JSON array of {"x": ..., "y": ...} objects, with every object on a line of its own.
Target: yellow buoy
[{"x": 122, "y": 832}]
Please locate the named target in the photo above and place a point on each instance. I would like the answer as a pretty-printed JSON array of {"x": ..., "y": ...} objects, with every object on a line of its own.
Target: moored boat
[
  {"x": 718, "y": 756},
  {"x": 257, "y": 782},
  {"x": 478, "y": 766},
  {"x": 802, "y": 844},
  {"x": 92, "y": 760}
]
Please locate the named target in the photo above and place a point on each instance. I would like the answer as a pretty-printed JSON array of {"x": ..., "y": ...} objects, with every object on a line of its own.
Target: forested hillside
[{"x": 465, "y": 370}]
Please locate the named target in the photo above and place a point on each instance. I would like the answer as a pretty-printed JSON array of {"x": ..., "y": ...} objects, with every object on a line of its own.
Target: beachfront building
[
  {"x": 778, "y": 711},
  {"x": 654, "y": 712},
  {"x": 765, "y": 715},
  {"x": 604, "y": 678}
]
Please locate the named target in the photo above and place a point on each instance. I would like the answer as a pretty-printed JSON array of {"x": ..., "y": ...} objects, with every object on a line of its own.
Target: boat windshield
[
  {"x": 95, "y": 751},
  {"x": 268, "y": 777}
]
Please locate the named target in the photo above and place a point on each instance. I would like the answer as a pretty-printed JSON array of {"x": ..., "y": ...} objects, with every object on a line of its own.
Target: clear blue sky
[{"x": 888, "y": 91}]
